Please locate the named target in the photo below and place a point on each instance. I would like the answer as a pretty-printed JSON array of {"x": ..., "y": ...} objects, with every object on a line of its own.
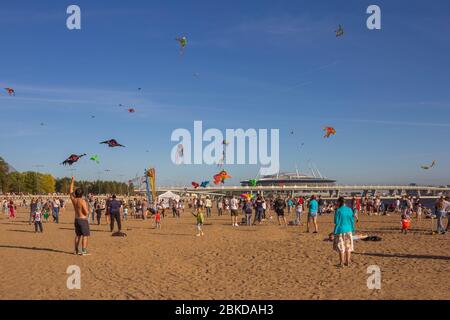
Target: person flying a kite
[
  {"x": 112, "y": 143},
  {"x": 329, "y": 131},
  {"x": 72, "y": 159}
]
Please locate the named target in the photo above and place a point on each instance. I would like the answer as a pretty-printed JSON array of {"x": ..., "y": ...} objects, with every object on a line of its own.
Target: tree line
[{"x": 41, "y": 183}]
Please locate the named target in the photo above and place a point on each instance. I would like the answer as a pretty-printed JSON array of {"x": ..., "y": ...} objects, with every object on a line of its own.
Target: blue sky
[{"x": 259, "y": 64}]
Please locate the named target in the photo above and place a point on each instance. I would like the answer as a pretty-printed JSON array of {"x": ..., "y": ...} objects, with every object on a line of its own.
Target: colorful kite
[
  {"x": 183, "y": 42},
  {"x": 72, "y": 159},
  {"x": 10, "y": 91},
  {"x": 204, "y": 184},
  {"x": 430, "y": 166},
  {"x": 179, "y": 156},
  {"x": 329, "y": 131},
  {"x": 112, "y": 143},
  {"x": 221, "y": 177},
  {"x": 247, "y": 195},
  {"x": 253, "y": 182},
  {"x": 195, "y": 184},
  {"x": 95, "y": 158},
  {"x": 339, "y": 31}
]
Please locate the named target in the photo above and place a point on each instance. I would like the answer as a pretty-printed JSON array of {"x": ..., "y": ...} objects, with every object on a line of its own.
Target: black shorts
[
  {"x": 280, "y": 213},
  {"x": 82, "y": 227}
]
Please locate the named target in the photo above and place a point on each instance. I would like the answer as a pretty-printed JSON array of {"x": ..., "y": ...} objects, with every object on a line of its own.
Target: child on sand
[
  {"x": 11, "y": 210},
  {"x": 200, "y": 220},
  {"x": 406, "y": 223},
  {"x": 125, "y": 212},
  {"x": 37, "y": 221},
  {"x": 158, "y": 220},
  {"x": 298, "y": 212}
]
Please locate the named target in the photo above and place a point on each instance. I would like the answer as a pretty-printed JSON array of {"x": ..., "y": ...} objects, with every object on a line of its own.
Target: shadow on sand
[
  {"x": 35, "y": 249},
  {"x": 403, "y": 256}
]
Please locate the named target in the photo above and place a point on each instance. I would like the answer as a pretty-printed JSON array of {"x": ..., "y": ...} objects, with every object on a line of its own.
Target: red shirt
[{"x": 158, "y": 217}]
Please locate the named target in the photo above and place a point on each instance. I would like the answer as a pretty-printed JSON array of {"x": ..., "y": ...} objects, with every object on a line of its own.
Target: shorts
[
  {"x": 280, "y": 213},
  {"x": 234, "y": 213},
  {"x": 343, "y": 242},
  {"x": 82, "y": 227},
  {"x": 312, "y": 214}
]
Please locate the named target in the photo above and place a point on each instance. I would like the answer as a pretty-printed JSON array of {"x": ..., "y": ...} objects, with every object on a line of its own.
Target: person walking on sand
[
  {"x": 280, "y": 205},
  {"x": 234, "y": 205},
  {"x": 114, "y": 213},
  {"x": 200, "y": 220},
  {"x": 208, "y": 206},
  {"x": 343, "y": 230},
  {"x": 259, "y": 210},
  {"x": 442, "y": 206},
  {"x": 80, "y": 206},
  {"x": 12, "y": 210},
  {"x": 312, "y": 214}
]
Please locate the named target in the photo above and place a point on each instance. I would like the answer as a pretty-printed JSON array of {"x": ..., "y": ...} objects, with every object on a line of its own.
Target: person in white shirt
[
  {"x": 208, "y": 206},
  {"x": 234, "y": 205}
]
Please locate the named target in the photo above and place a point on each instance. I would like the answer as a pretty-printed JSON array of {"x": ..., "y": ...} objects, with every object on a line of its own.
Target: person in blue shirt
[
  {"x": 344, "y": 226},
  {"x": 312, "y": 213}
]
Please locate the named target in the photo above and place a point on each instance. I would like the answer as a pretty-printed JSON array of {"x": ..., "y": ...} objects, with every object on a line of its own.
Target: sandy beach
[{"x": 259, "y": 262}]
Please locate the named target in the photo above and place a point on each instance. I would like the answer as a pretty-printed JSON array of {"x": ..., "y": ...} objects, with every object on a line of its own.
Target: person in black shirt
[{"x": 114, "y": 212}]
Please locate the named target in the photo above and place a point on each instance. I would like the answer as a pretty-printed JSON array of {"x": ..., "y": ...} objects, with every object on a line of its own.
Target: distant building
[{"x": 291, "y": 179}]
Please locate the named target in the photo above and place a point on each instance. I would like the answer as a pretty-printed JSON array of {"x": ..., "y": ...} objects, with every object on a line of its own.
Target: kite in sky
[
  {"x": 221, "y": 177},
  {"x": 221, "y": 162},
  {"x": 112, "y": 143},
  {"x": 72, "y": 159},
  {"x": 339, "y": 31},
  {"x": 131, "y": 110},
  {"x": 95, "y": 158},
  {"x": 204, "y": 184},
  {"x": 195, "y": 184},
  {"x": 430, "y": 166},
  {"x": 253, "y": 182},
  {"x": 329, "y": 131},
  {"x": 183, "y": 42},
  {"x": 10, "y": 91},
  {"x": 179, "y": 156}
]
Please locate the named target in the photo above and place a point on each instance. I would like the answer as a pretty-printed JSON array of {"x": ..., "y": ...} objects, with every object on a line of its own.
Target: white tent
[{"x": 166, "y": 196}]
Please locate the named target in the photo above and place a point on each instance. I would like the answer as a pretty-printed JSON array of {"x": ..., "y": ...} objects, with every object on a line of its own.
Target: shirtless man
[{"x": 81, "y": 219}]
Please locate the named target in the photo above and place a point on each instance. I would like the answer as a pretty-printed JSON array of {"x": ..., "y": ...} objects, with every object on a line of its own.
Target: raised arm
[{"x": 72, "y": 183}]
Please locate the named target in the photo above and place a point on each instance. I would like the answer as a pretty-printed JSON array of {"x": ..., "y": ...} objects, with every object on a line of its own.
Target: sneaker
[{"x": 84, "y": 252}]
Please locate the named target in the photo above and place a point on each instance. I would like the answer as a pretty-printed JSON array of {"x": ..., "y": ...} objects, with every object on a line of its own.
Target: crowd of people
[{"x": 243, "y": 211}]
